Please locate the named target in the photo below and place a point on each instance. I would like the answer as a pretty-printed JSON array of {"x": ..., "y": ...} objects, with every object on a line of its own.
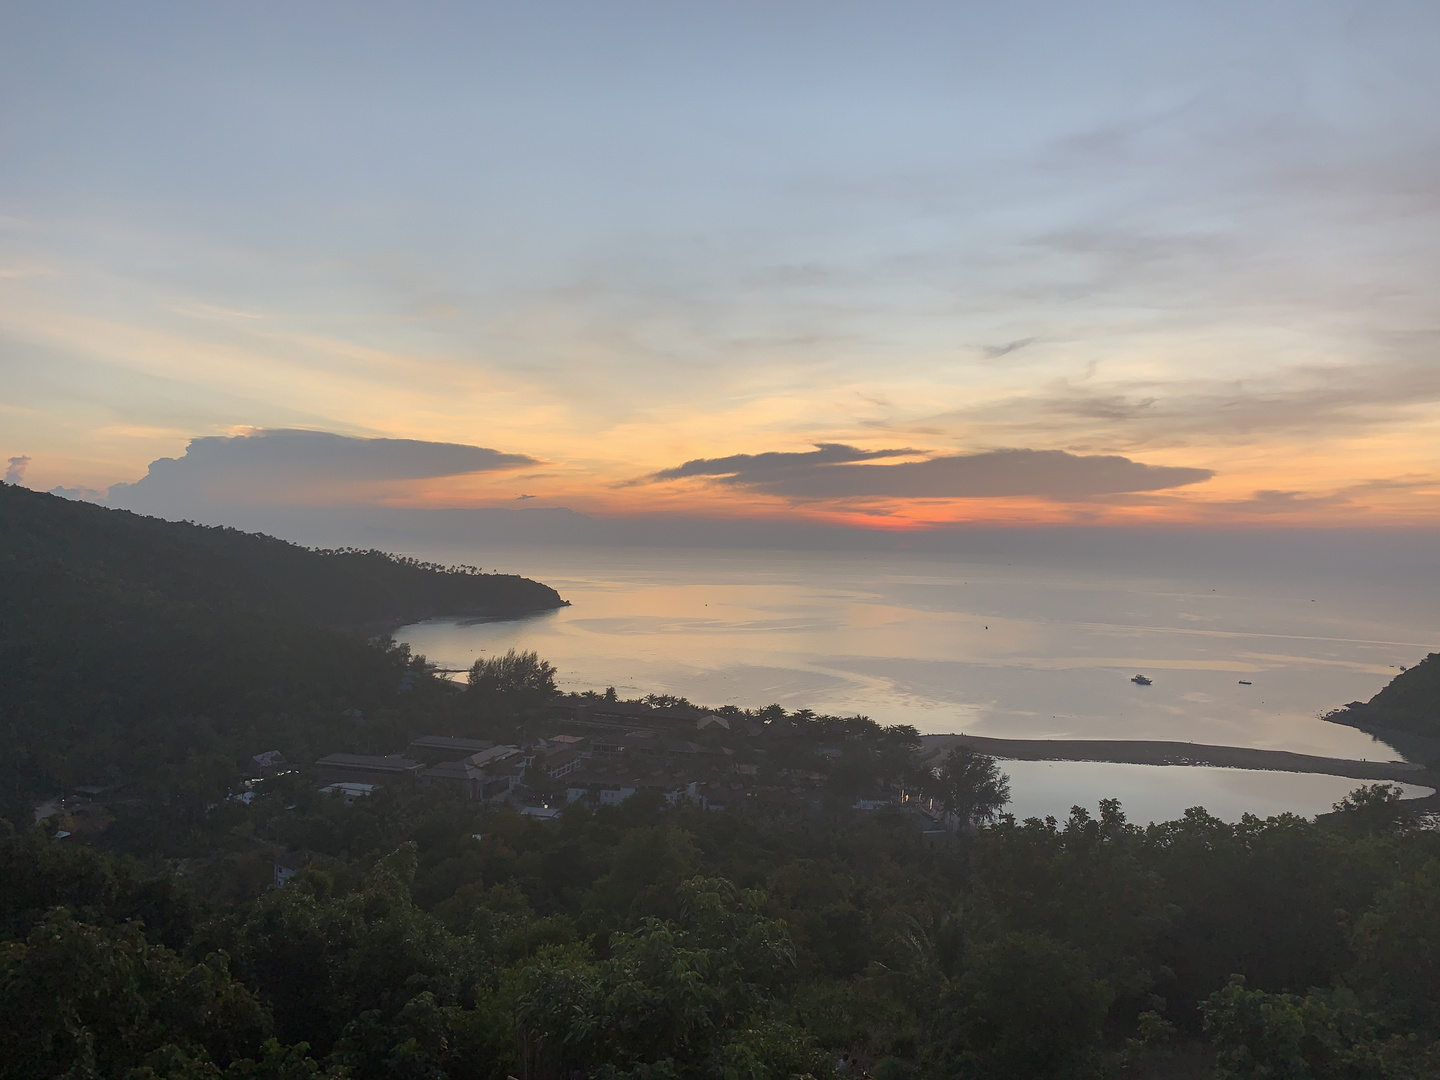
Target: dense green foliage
[
  {"x": 508, "y": 685},
  {"x": 429, "y": 937},
  {"x": 970, "y": 785}
]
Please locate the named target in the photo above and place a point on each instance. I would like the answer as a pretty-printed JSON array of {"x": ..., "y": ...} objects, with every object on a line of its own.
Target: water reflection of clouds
[
  {"x": 905, "y": 640},
  {"x": 659, "y": 624}
]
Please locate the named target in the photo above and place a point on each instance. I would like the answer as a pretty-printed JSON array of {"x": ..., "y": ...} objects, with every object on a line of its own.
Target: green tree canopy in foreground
[{"x": 429, "y": 937}]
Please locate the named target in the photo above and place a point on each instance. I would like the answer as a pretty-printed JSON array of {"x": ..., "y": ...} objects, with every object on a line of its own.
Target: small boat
[
  {"x": 1140, "y": 680},
  {"x": 1245, "y": 682}
]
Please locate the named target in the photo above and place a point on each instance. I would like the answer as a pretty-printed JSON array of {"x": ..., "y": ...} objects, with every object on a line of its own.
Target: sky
[{"x": 893, "y": 265}]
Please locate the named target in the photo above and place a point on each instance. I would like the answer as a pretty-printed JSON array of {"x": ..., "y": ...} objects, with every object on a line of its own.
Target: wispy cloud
[
  {"x": 995, "y": 352},
  {"x": 1308, "y": 402}
]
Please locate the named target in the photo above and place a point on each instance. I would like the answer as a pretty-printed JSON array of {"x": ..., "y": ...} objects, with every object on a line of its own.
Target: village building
[
  {"x": 676, "y": 715},
  {"x": 485, "y": 776},
  {"x": 433, "y": 749},
  {"x": 557, "y": 761},
  {"x": 368, "y": 769},
  {"x": 572, "y": 707},
  {"x": 611, "y": 789},
  {"x": 618, "y": 711},
  {"x": 579, "y": 742},
  {"x": 266, "y": 764}
]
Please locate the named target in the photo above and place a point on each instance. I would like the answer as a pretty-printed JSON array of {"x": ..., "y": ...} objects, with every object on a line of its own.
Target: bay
[{"x": 1029, "y": 647}]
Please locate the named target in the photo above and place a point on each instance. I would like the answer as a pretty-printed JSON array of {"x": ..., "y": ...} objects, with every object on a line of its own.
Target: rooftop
[
  {"x": 450, "y": 770},
  {"x": 619, "y": 708},
  {"x": 491, "y": 756},
  {"x": 369, "y": 761},
  {"x": 675, "y": 712},
  {"x": 451, "y": 742},
  {"x": 352, "y": 788}
]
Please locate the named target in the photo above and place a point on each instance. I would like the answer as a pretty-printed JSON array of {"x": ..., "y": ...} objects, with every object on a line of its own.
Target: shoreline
[
  {"x": 389, "y": 625},
  {"x": 1180, "y": 754}
]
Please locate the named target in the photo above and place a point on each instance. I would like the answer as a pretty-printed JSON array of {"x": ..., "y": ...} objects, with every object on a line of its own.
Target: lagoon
[{"x": 1163, "y": 793}]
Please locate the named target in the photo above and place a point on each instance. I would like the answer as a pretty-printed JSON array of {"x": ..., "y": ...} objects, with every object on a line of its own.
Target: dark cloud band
[
  {"x": 268, "y": 463},
  {"x": 838, "y": 472},
  {"x": 752, "y": 464}
]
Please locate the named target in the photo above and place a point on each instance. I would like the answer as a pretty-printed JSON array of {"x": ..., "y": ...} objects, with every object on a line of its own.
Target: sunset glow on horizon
[{"x": 1141, "y": 265}]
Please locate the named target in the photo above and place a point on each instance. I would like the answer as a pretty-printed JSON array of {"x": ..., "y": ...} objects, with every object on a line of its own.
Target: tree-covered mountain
[
  {"x": 63, "y": 541},
  {"x": 1409, "y": 703},
  {"x": 133, "y": 648}
]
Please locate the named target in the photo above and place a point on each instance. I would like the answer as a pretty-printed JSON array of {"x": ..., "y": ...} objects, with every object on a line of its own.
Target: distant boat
[
  {"x": 1140, "y": 680},
  {"x": 1245, "y": 682}
]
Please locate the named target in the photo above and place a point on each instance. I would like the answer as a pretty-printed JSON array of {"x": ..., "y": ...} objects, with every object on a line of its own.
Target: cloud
[
  {"x": 1413, "y": 488},
  {"x": 833, "y": 472},
  {"x": 1285, "y": 502},
  {"x": 759, "y": 464},
  {"x": 995, "y": 352},
  {"x": 1311, "y": 401},
  {"x": 79, "y": 494},
  {"x": 16, "y": 472},
  {"x": 275, "y": 465}
]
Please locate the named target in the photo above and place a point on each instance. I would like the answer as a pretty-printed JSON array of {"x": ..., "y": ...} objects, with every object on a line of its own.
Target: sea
[{"x": 1239, "y": 650}]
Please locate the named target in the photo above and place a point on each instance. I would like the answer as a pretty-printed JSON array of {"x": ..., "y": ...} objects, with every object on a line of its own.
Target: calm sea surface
[{"x": 1020, "y": 648}]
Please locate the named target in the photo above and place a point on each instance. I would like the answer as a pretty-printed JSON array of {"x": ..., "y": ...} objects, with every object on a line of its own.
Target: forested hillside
[
  {"x": 1410, "y": 702},
  {"x": 73, "y": 545},
  {"x": 138, "y": 649}
]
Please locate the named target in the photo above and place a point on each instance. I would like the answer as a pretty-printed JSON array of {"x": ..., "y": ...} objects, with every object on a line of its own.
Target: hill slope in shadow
[
  {"x": 155, "y": 652},
  {"x": 1406, "y": 713}
]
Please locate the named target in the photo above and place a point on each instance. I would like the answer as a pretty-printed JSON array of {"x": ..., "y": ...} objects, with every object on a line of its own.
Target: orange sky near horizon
[
  {"x": 1199, "y": 238},
  {"x": 1358, "y": 463}
]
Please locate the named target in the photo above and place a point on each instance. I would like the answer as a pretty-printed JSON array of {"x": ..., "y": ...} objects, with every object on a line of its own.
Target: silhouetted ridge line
[
  {"x": 1409, "y": 705},
  {"x": 344, "y": 587},
  {"x": 143, "y": 654}
]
